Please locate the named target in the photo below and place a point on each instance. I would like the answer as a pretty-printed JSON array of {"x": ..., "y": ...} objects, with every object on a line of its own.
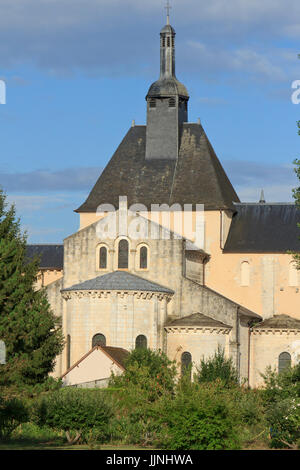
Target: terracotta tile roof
[
  {"x": 197, "y": 319},
  {"x": 280, "y": 322}
]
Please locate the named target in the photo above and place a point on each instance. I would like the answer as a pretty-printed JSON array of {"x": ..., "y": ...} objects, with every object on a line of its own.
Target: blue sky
[{"x": 77, "y": 73}]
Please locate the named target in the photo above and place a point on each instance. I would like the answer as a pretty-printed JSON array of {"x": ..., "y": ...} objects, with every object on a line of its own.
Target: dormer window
[
  {"x": 152, "y": 103},
  {"x": 172, "y": 103}
]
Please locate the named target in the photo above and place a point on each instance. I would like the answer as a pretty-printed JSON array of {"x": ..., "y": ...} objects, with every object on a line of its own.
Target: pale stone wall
[
  {"x": 47, "y": 276},
  {"x": 200, "y": 343},
  {"x": 120, "y": 317},
  {"x": 266, "y": 346}
]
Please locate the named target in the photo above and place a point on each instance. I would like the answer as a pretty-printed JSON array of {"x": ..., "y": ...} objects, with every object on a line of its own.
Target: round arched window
[
  {"x": 141, "y": 342},
  {"x": 123, "y": 254},
  {"x": 284, "y": 361},
  {"x": 144, "y": 257},
  {"x": 99, "y": 340},
  {"x": 103, "y": 258},
  {"x": 186, "y": 362}
]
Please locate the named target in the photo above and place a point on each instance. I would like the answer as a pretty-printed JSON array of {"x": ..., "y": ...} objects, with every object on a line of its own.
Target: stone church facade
[{"x": 239, "y": 290}]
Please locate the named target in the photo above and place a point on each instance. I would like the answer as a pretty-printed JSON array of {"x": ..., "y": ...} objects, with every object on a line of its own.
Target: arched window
[
  {"x": 172, "y": 103},
  {"x": 141, "y": 342},
  {"x": 68, "y": 351},
  {"x": 293, "y": 275},
  {"x": 245, "y": 273},
  {"x": 98, "y": 340},
  {"x": 123, "y": 254},
  {"x": 284, "y": 361},
  {"x": 152, "y": 103},
  {"x": 103, "y": 257},
  {"x": 186, "y": 362},
  {"x": 144, "y": 257}
]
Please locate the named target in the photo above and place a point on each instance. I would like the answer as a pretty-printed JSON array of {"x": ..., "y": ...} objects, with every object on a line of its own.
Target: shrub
[
  {"x": 75, "y": 411},
  {"x": 148, "y": 375},
  {"x": 217, "y": 367},
  {"x": 199, "y": 419},
  {"x": 282, "y": 402},
  {"x": 12, "y": 413}
]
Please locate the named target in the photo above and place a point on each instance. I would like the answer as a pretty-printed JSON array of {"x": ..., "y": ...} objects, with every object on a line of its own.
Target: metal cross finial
[{"x": 168, "y": 8}]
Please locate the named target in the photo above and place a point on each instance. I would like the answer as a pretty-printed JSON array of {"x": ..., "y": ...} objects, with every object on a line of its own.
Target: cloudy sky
[{"x": 77, "y": 72}]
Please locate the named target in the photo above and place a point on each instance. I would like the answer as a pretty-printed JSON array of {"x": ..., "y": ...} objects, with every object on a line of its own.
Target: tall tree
[
  {"x": 296, "y": 195},
  {"x": 31, "y": 332}
]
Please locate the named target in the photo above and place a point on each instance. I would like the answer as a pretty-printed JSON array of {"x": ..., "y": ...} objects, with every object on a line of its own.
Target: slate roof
[
  {"x": 264, "y": 228},
  {"x": 51, "y": 256},
  {"x": 119, "y": 280},
  {"x": 280, "y": 322},
  {"x": 197, "y": 319},
  {"x": 197, "y": 177},
  {"x": 118, "y": 355}
]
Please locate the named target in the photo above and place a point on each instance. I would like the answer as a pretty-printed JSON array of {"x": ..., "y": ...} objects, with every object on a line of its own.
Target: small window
[
  {"x": 98, "y": 340},
  {"x": 245, "y": 274},
  {"x": 168, "y": 41},
  {"x": 141, "y": 342},
  {"x": 172, "y": 103},
  {"x": 68, "y": 351},
  {"x": 173, "y": 41},
  {"x": 103, "y": 258},
  {"x": 284, "y": 361},
  {"x": 163, "y": 41},
  {"x": 152, "y": 103},
  {"x": 144, "y": 257},
  {"x": 186, "y": 364},
  {"x": 123, "y": 254}
]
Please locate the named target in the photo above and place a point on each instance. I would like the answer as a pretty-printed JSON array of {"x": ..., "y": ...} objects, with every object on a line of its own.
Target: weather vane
[{"x": 168, "y": 8}]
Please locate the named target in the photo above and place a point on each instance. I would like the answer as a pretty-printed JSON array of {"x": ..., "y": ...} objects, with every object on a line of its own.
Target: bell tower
[{"x": 167, "y": 103}]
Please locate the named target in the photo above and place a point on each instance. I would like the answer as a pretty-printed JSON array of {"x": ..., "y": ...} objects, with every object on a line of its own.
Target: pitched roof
[
  {"x": 118, "y": 355},
  {"x": 280, "y": 322},
  {"x": 119, "y": 280},
  {"x": 197, "y": 177},
  {"x": 197, "y": 319},
  {"x": 264, "y": 228},
  {"x": 51, "y": 256}
]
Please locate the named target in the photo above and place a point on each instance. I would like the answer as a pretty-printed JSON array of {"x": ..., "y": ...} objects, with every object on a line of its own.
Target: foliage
[
  {"x": 282, "y": 403},
  {"x": 12, "y": 413},
  {"x": 217, "y": 367},
  {"x": 200, "y": 418},
  {"x": 148, "y": 375},
  {"x": 74, "y": 411},
  {"x": 296, "y": 195},
  {"x": 29, "y": 329}
]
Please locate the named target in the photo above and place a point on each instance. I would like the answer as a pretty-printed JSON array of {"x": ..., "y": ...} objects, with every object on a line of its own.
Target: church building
[{"x": 238, "y": 289}]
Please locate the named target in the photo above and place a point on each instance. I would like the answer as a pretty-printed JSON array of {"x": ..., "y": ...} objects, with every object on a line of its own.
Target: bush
[
  {"x": 148, "y": 375},
  {"x": 75, "y": 411},
  {"x": 282, "y": 402},
  {"x": 217, "y": 367},
  {"x": 199, "y": 419},
  {"x": 12, "y": 413}
]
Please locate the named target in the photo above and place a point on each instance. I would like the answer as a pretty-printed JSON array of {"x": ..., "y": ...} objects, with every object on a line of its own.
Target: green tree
[
  {"x": 296, "y": 195},
  {"x": 31, "y": 332},
  {"x": 217, "y": 367}
]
